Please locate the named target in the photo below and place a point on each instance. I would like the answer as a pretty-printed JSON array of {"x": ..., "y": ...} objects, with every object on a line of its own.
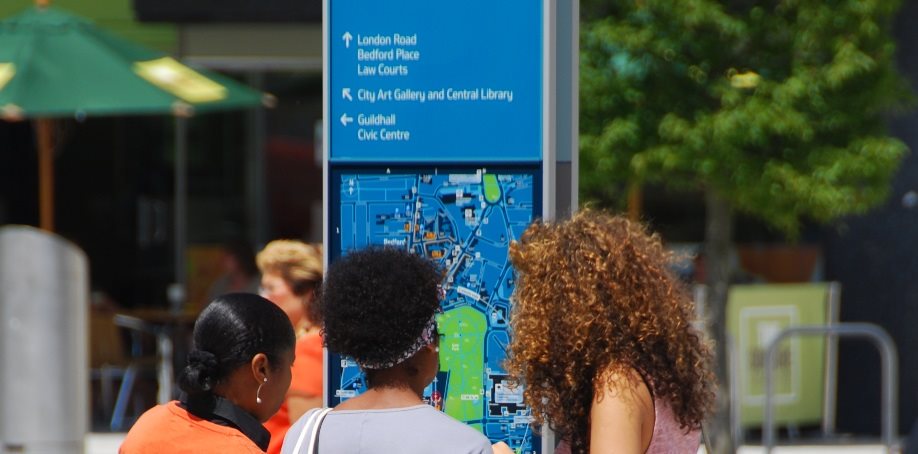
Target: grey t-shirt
[{"x": 420, "y": 429}]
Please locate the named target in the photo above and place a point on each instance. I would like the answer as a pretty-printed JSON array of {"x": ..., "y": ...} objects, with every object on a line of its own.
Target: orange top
[
  {"x": 306, "y": 382},
  {"x": 170, "y": 428}
]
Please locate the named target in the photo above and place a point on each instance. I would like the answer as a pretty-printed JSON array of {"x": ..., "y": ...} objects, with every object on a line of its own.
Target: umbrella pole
[
  {"x": 180, "y": 214},
  {"x": 44, "y": 131}
]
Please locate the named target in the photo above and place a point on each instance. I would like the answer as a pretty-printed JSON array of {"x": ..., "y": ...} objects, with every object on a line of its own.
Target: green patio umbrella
[{"x": 55, "y": 64}]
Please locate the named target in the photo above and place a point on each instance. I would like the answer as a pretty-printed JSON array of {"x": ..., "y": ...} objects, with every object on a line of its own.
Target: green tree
[{"x": 776, "y": 109}]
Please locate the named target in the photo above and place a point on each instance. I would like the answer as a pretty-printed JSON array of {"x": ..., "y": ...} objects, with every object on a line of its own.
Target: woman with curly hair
[
  {"x": 379, "y": 308},
  {"x": 603, "y": 340},
  {"x": 291, "y": 273}
]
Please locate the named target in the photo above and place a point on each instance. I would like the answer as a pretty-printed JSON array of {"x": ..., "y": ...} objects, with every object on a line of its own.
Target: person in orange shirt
[
  {"x": 291, "y": 273},
  {"x": 237, "y": 376}
]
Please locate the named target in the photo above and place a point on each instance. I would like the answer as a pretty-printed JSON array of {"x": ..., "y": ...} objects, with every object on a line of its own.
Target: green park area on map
[{"x": 462, "y": 355}]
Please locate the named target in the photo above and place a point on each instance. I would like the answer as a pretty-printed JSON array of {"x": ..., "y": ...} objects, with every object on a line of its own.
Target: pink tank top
[{"x": 668, "y": 437}]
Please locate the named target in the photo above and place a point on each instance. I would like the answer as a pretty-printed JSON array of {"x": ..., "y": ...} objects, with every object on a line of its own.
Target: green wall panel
[{"x": 755, "y": 315}]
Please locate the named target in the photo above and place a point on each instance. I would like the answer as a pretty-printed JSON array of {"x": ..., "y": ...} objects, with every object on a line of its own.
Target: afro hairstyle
[{"x": 377, "y": 301}]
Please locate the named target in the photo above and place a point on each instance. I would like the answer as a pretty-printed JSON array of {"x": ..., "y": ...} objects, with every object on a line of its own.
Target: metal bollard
[{"x": 44, "y": 300}]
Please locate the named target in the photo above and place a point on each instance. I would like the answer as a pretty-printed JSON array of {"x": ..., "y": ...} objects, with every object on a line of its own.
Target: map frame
[{"x": 502, "y": 415}]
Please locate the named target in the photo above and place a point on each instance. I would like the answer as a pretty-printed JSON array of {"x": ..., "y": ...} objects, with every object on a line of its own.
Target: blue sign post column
[{"x": 435, "y": 141}]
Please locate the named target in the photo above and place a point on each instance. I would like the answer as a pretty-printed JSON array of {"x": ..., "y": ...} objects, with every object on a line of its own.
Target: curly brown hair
[{"x": 594, "y": 298}]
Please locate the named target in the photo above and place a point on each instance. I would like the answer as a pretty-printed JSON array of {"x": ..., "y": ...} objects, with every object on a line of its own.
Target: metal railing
[{"x": 889, "y": 361}]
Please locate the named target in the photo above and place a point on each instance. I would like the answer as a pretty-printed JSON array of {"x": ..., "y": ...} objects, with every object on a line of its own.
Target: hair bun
[
  {"x": 202, "y": 359},
  {"x": 199, "y": 373}
]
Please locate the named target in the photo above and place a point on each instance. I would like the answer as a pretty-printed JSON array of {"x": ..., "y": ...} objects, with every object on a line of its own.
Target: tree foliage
[{"x": 777, "y": 106}]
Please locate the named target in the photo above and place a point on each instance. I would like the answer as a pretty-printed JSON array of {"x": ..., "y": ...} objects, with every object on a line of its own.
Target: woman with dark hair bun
[
  {"x": 237, "y": 376},
  {"x": 379, "y": 307}
]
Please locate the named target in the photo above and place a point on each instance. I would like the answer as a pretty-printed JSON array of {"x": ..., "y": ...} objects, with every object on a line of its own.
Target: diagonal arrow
[
  {"x": 346, "y": 119},
  {"x": 346, "y": 94}
]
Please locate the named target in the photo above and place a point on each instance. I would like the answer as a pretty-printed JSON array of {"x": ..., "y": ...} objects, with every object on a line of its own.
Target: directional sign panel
[{"x": 425, "y": 81}]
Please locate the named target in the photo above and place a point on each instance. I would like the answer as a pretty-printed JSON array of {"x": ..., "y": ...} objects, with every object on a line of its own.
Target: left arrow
[
  {"x": 346, "y": 119},
  {"x": 347, "y": 37}
]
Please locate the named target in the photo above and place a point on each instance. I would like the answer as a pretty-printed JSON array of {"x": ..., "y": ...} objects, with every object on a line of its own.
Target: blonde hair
[
  {"x": 299, "y": 264},
  {"x": 594, "y": 298}
]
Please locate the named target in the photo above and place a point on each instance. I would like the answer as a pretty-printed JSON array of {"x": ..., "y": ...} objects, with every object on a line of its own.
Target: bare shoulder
[
  {"x": 623, "y": 384},
  {"x": 622, "y": 413}
]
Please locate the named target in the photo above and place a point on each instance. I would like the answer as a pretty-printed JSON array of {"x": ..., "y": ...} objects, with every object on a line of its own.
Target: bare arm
[
  {"x": 621, "y": 420},
  {"x": 501, "y": 448}
]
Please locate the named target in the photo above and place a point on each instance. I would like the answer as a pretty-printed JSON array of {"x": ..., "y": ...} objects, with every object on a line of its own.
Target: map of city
[{"x": 465, "y": 222}]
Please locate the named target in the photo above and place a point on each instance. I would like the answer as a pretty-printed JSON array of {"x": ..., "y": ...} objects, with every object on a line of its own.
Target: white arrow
[
  {"x": 346, "y": 119},
  {"x": 346, "y": 94},
  {"x": 347, "y": 37}
]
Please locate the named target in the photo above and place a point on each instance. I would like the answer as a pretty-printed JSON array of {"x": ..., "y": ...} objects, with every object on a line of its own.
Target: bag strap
[
  {"x": 314, "y": 440},
  {"x": 312, "y": 428}
]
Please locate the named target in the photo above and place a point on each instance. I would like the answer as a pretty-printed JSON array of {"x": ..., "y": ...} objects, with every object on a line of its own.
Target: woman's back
[
  {"x": 408, "y": 430},
  {"x": 668, "y": 437}
]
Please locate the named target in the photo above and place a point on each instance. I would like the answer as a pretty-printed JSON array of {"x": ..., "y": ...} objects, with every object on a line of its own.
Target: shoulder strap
[{"x": 312, "y": 428}]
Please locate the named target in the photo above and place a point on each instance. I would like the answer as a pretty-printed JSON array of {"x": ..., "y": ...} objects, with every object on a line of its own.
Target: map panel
[{"x": 465, "y": 221}]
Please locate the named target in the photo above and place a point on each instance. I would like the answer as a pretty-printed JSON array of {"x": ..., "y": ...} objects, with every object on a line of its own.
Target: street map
[{"x": 465, "y": 222}]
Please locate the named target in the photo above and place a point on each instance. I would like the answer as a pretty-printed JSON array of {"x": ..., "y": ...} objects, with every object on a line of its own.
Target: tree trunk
[{"x": 718, "y": 243}]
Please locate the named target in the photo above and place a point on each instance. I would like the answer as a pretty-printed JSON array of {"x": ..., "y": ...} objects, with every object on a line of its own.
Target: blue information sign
[
  {"x": 434, "y": 131},
  {"x": 428, "y": 81}
]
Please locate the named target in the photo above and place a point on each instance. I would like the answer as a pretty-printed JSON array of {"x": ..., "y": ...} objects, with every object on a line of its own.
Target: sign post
[{"x": 440, "y": 138}]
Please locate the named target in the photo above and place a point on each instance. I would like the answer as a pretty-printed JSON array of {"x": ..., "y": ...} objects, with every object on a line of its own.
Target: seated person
[
  {"x": 237, "y": 376},
  {"x": 379, "y": 308}
]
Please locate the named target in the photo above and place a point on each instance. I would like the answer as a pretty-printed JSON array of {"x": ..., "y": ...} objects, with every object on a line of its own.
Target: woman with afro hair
[
  {"x": 379, "y": 307},
  {"x": 603, "y": 339}
]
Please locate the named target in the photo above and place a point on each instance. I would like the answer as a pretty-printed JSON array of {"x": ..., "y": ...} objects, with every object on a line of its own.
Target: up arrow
[
  {"x": 346, "y": 94},
  {"x": 346, "y": 119},
  {"x": 347, "y": 37}
]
